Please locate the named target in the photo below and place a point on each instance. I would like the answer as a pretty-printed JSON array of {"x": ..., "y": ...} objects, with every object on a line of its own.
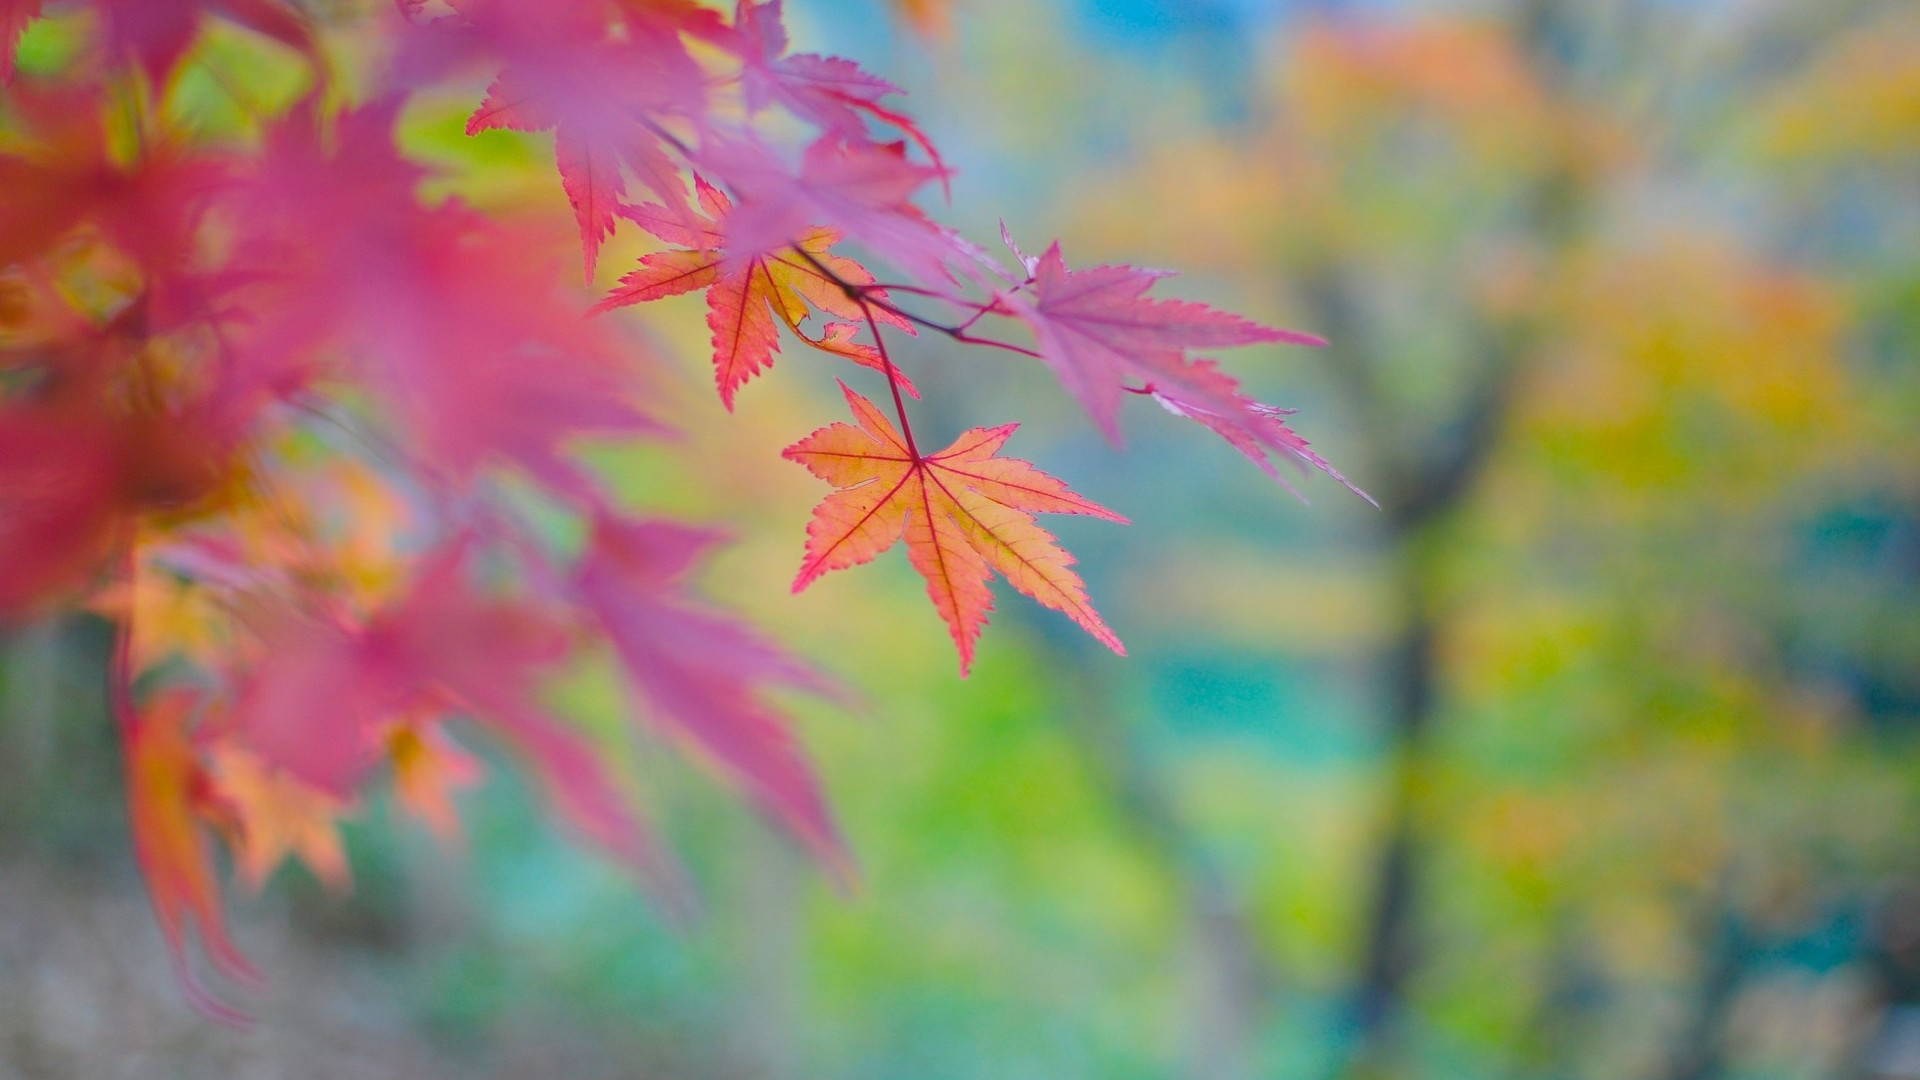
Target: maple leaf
[
  {"x": 442, "y": 311},
  {"x": 58, "y": 517},
  {"x": 862, "y": 189},
  {"x": 311, "y": 701},
  {"x": 487, "y": 656},
  {"x": 504, "y": 369},
  {"x": 744, "y": 300},
  {"x": 965, "y": 514},
  {"x": 163, "y": 614},
  {"x": 332, "y": 182},
  {"x": 427, "y": 767},
  {"x": 166, "y": 792},
  {"x": 322, "y": 694},
  {"x": 14, "y": 17},
  {"x": 1099, "y": 333},
  {"x": 830, "y": 91},
  {"x": 703, "y": 673},
  {"x": 69, "y": 174},
  {"x": 278, "y": 816},
  {"x": 1256, "y": 430},
  {"x": 80, "y": 463},
  {"x": 838, "y": 338},
  {"x": 605, "y": 98},
  {"x": 156, "y": 33}
]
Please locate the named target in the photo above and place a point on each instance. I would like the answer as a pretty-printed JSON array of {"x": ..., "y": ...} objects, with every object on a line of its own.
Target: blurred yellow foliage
[
  {"x": 1861, "y": 98},
  {"x": 1689, "y": 363}
]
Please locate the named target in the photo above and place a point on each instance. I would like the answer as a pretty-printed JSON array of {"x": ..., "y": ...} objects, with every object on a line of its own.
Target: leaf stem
[
  {"x": 915, "y": 290},
  {"x": 867, "y": 294},
  {"x": 893, "y": 377}
]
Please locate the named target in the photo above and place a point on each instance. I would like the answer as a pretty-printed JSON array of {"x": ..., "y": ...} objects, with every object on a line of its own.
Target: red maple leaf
[
  {"x": 964, "y": 512},
  {"x": 746, "y": 303},
  {"x": 57, "y": 518},
  {"x": 96, "y": 441},
  {"x": 312, "y": 702},
  {"x": 1101, "y": 334},
  {"x": 443, "y": 312},
  {"x": 68, "y": 175},
  {"x": 488, "y": 363}
]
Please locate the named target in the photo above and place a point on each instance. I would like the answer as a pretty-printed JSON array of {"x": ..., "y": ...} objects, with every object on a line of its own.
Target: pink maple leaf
[
  {"x": 322, "y": 692},
  {"x": 608, "y": 100},
  {"x": 1257, "y": 430},
  {"x": 830, "y": 91},
  {"x": 1099, "y": 333},
  {"x": 14, "y": 17},
  {"x": 702, "y": 674},
  {"x": 862, "y": 190},
  {"x": 488, "y": 655},
  {"x": 156, "y": 33}
]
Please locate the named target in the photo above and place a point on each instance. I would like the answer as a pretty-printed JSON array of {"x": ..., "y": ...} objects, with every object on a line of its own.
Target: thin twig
[{"x": 867, "y": 294}]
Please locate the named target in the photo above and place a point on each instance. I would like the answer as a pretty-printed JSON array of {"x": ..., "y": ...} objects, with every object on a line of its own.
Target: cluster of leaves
[{"x": 298, "y": 431}]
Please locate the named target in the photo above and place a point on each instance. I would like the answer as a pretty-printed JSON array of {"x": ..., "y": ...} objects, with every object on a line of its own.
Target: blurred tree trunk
[
  {"x": 1408, "y": 673},
  {"x": 1889, "y": 1048},
  {"x": 1391, "y": 945},
  {"x": 1424, "y": 469},
  {"x": 1571, "y": 986},
  {"x": 1699, "y": 1052}
]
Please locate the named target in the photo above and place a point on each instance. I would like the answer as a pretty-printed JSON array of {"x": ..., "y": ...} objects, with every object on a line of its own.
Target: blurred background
[{"x": 1594, "y": 753}]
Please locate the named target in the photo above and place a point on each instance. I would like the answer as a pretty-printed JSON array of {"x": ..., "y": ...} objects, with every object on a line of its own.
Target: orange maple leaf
[
  {"x": 965, "y": 514},
  {"x": 745, "y": 300},
  {"x": 427, "y": 767},
  {"x": 277, "y": 815},
  {"x": 167, "y": 796}
]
